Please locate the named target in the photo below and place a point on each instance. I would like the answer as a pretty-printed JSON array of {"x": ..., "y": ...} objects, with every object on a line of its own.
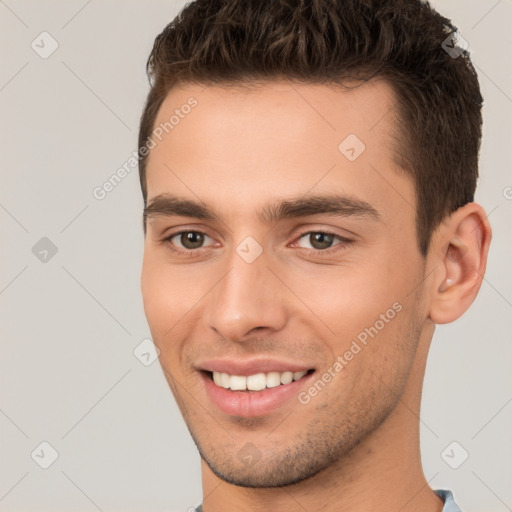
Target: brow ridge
[{"x": 332, "y": 204}]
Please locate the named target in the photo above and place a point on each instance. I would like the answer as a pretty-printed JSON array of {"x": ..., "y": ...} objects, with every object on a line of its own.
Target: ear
[{"x": 459, "y": 252}]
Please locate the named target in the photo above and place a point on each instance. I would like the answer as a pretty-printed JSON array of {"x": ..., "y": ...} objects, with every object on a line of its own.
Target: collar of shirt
[
  {"x": 444, "y": 494},
  {"x": 449, "y": 502}
]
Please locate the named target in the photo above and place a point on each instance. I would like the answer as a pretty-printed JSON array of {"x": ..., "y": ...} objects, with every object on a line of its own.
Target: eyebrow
[{"x": 332, "y": 204}]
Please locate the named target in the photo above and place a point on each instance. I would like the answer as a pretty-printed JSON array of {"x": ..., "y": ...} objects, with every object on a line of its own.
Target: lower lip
[{"x": 252, "y": 403}]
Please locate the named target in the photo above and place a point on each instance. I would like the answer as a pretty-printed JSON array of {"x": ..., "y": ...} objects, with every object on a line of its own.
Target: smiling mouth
[{"x": 257, "y": 381}]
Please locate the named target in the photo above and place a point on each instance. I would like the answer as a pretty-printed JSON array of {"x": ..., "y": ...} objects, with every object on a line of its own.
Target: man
[{"x": 308, "y": 172}]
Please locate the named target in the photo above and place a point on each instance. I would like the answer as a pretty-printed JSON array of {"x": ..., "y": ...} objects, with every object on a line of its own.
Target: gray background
[{"x": 70, "y": 324}]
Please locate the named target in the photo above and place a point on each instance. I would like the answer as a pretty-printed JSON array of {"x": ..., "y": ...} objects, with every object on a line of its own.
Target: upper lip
[{"x": 244, "y": 367}]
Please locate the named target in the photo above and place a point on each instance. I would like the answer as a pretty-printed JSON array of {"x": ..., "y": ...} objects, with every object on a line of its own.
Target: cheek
[
  {"x": 345, "y": 297},
  {"x": 172, "y": 295},
  {"x": 164, "y": 308},
  {"x": 360, "y": 304},
  {"x": 161, "y": 293}
]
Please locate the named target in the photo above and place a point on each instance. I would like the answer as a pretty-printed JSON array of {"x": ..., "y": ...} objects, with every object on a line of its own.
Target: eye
[
  {"x": 188, "y": 240},
  {"x": 320, "y": 240}
]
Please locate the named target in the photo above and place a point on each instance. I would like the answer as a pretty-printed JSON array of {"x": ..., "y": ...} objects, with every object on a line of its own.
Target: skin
[{"x": 355, "y": 445}]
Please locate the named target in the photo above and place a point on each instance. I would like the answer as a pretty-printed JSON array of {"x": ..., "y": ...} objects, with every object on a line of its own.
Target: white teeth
[
  {"x": 224, "y": 379},
  {"x": 273, "y": 379},
  {"x": 286, "y": 377},
  {"x": 255, "y": 382},
  {"x": 237, "y": 383}
]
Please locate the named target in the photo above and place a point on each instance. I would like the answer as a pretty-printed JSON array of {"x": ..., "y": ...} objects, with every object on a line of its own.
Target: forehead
[{"x": 235, "y": 146}]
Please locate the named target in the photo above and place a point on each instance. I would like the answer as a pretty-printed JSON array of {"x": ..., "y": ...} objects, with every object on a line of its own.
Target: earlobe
[{"x": 461, "y": 248}]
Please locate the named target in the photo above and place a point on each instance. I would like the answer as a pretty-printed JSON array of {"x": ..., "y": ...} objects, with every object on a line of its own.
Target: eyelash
[{"x": 312, "y": 252}]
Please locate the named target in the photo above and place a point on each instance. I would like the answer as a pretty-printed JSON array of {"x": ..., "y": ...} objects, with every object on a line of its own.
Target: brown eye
[
  {"x": 320, "y": 240},
  {"x": 317, "y": 240},
  {"x": 191, "y": 239}
]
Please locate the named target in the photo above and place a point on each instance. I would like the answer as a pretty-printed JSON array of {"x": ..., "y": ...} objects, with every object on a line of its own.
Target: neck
[{"x": 381, "y": 473}]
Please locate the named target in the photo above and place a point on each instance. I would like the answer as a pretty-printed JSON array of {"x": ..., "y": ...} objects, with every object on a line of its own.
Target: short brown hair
[{"x": 332, "y": 42}]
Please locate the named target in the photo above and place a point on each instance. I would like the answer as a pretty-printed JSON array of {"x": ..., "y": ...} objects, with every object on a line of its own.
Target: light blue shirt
[
  {"x": 449, "y": 502},
  {"x": 445, "y": 495}
]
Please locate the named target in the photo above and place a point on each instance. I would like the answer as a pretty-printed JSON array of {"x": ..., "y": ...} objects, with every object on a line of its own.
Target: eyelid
[{"x": 194, "y": 228}]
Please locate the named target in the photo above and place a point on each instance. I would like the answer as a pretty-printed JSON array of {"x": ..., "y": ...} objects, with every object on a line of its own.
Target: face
[{"x": 281, "y": 277}]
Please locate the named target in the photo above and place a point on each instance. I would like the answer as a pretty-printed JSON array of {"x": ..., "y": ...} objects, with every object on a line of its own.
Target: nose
[{"x": 248, "y": 300}]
